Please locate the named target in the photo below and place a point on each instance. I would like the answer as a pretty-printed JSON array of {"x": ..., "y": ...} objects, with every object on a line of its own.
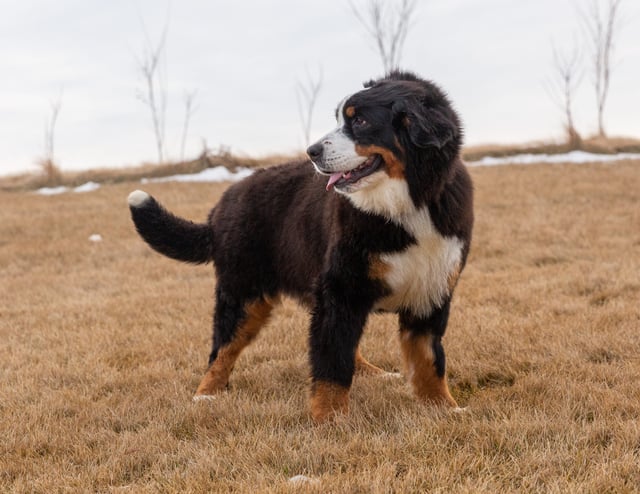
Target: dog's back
[
  {"x": 271, "y": 231},
  {"x": 278, "y": 217}
]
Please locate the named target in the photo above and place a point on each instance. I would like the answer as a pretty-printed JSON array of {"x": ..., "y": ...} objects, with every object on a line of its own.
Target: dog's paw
[
  {"x": 137, "y": 198},
  {"x": 303, "y": 479},
  {"x": 459, "y": 410},
  {"x": 391, "y": 375},
  {"x": 204, "y": 398}
]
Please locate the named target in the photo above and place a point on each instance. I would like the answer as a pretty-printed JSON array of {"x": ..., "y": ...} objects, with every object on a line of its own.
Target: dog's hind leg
[
  {"x": 235, "y": 326},
  {"x": 420, "y": 340}
]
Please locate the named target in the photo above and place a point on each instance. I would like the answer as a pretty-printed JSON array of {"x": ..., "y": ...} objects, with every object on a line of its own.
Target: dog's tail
[{"x": 167, "y": 233}]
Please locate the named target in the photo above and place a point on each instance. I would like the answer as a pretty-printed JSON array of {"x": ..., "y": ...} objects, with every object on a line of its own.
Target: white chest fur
[{"x": 420, "y": 276}]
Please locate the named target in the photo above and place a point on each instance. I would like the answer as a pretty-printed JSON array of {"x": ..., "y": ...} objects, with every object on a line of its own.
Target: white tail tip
[{"x": 137, "y": 198}]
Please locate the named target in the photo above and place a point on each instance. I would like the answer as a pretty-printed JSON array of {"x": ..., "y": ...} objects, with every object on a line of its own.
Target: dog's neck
[{"x": 385, "y": 197}]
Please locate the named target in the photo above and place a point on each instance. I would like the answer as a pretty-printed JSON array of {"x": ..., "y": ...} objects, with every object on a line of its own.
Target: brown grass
[{"x": 103, "y": 345}]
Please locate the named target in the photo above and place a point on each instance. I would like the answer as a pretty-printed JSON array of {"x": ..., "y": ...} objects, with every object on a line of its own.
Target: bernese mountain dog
[{"x": 388, "y": 230}]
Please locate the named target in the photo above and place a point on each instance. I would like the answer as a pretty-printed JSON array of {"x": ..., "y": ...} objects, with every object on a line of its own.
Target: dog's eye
[{"x": 358, "y": 122}]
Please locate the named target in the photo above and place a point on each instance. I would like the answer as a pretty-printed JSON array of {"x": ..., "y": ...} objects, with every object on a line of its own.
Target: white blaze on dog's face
[
  {"x": 338, "y": 153},
  {"x": 359, "y": 161}
]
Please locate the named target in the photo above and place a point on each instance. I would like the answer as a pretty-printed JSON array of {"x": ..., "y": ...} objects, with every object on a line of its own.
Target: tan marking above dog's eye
[{"x": 350, "y": 111}]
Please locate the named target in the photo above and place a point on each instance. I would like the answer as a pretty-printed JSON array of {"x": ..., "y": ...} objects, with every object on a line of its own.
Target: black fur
[
  {"x": 172, "y": 236},
  {"x": 280, "y": 232}
]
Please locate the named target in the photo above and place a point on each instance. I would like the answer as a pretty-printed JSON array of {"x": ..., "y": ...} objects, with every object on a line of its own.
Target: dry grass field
[{"x": 103, "y": 343}]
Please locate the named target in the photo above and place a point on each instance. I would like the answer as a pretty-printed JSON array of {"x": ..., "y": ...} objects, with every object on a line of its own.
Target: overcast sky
[{"x": 244, "y": 56}]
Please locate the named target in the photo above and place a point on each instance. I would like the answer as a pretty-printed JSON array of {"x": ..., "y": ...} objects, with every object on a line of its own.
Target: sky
[{"x": 243, "y": 59}]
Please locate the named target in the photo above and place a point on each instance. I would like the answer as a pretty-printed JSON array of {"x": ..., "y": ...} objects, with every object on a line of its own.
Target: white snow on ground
[
  {"x": 51, "y": 191},
  {"x": 571, "y": 157},
  {"x": 217, "y": 174},
  {"x": 88, "y": 187}
]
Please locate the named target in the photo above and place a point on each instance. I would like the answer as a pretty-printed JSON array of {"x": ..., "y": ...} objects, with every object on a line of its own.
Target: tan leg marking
[
  {"x": 365, "y": 367},
  {"x": 217, "y": 376},
  {"x": 328, "y": 399},
  {"x": 394, "y": 167},
  {"x": 419, "y": 360}
]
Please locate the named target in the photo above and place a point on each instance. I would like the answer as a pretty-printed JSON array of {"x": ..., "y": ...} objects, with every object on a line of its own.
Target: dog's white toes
[
  {"x": 303, "y": 479},
  {"x": 459, "y": 410},
  {"x": 199, "y": 398},
  {"x": 392, "y": 375},
  {"x": 137, "y": 198}
]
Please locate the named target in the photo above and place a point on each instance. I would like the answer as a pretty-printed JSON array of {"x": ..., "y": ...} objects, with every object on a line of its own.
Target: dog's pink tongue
[{"x": 333, "y": 179}]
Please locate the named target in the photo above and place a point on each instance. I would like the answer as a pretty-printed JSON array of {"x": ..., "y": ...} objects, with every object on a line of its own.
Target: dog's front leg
[{"x": 336, "y": 326}]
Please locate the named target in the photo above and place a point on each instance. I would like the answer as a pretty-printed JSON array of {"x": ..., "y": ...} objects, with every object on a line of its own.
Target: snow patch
[
  {"x": 51, "y": 191},
  {"x": 88, "y": 187},
  {"x": 217, "y": 174},
  {"x": 571, "y": 157}
]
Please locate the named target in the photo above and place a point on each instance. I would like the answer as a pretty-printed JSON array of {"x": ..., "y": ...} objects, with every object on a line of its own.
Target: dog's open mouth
[{"x": 343, "y": 179}]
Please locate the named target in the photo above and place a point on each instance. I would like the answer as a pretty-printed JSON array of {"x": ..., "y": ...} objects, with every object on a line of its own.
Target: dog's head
[{"x": 400, "y": 133}]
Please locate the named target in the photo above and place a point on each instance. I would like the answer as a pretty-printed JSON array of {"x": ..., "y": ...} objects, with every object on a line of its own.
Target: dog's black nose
[{"x": 315, "y": 151}]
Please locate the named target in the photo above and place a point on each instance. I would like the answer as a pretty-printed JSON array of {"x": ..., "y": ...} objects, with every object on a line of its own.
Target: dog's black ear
[
  {"x": 431, "y": 127},
  {"x": 399, "y": 113}
]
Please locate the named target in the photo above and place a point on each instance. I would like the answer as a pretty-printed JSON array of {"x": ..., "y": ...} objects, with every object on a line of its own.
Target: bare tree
[
  {"x": 152, "y": 66},
  {"x": 567, "y": 75},
  {"x": 189, "y": 110},
  {"x": 50, "y": 127},
  {"x": 307, "y": 94},
  {"x": 601, "y": 31},
  {"x": 388, "y": 29},
  {"x": 47, "y": 163}
]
